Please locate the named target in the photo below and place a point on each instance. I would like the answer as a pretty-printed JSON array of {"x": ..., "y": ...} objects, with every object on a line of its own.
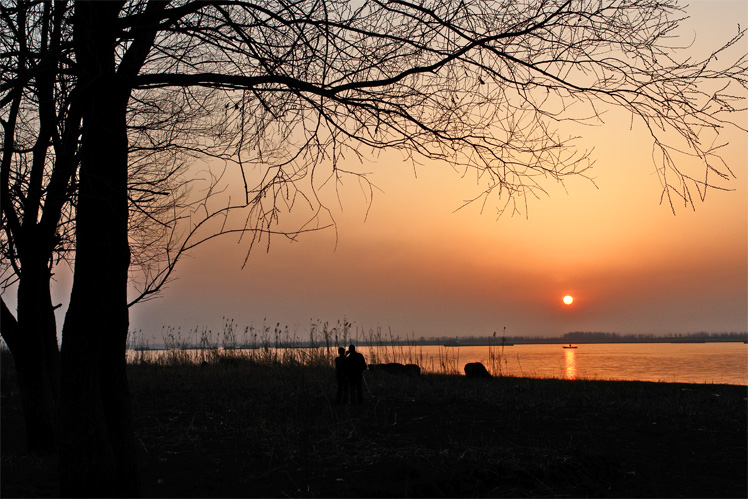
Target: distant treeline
[
  {"x": 330, "y": 336},
  {"x": 586, "y": 337}
]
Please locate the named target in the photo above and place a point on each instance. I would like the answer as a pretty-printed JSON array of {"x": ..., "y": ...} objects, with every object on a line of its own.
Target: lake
[{"x": 665, "y": 362}]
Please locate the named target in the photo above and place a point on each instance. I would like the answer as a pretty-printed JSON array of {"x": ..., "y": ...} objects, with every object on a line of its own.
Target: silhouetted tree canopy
[{"x": 272, "y": 89}]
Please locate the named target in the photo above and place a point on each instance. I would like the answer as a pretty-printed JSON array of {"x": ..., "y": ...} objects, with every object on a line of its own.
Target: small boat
[
  {"x": 570, "y": 346},
  {"x": 452, "y": 342}
]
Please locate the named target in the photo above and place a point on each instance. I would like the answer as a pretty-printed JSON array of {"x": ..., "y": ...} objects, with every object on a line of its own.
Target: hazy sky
[{"x": 418, "y": 267}]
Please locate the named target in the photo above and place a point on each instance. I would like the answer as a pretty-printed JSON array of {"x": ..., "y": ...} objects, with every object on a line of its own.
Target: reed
[{"x": 276, "y": 345}]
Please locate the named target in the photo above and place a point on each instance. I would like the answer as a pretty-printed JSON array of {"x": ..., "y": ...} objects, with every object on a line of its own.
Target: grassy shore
[{"x": 243, "y": 428}]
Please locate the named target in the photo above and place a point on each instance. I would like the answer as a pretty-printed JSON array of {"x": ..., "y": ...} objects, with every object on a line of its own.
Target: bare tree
[
  {"x": 41, "y": 126},
  {"x": 274, "y": 88},
  {"x": 35, "y": 192}
]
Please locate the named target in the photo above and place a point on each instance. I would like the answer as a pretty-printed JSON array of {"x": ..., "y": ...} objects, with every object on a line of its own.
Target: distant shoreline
[{"x": 306, "y": 344}]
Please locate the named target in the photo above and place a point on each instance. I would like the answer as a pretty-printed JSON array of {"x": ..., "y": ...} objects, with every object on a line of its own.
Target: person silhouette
[
  {"x": 341, "y": 376},
  {"x": 355, "y": 366}
]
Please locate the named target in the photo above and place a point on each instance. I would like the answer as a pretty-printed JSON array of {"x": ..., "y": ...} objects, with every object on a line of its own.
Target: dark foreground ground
[{"x": 236, "y": 429}]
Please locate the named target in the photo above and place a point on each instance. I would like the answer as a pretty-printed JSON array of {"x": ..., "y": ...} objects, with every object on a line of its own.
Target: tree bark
[
  {"x": 97, "y": 456},
  {"x": 36, "y": 354}
]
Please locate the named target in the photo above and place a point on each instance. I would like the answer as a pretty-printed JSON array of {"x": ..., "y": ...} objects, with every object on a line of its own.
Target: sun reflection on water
[{"x": 570, "y": 364}]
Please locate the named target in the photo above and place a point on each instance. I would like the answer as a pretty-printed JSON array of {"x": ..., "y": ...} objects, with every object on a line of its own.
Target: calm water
[
  {"x": 666, "y": 362},
  {"x": 682, "y": 363}
]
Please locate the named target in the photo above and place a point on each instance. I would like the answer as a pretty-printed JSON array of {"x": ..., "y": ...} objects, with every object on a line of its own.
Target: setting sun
[{"x": 568, "y": 300}]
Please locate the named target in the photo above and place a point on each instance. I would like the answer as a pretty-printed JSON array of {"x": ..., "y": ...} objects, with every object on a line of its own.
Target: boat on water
[
  {"x": 570, "y": 346},
  {"x": 452, "y": 342}
]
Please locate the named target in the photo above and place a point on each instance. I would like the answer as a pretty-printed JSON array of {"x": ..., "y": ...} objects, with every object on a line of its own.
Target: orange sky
[{"x": 420, "y": 268}]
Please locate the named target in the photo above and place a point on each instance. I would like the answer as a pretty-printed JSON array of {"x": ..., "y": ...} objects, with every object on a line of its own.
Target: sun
[{"x": 568, "y": 300}]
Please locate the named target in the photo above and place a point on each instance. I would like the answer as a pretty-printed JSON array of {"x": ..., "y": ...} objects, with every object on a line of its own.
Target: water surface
[{"x": 667, "y": 362}]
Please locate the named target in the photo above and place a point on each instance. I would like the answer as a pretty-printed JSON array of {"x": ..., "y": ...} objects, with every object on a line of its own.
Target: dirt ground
[{"x": 232, "y": 433}]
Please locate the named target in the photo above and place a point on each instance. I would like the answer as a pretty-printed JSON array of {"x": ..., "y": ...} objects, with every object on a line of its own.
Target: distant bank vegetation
[
  {"x": 603, "y": 337},
  {"x": 341, "y": 333}
]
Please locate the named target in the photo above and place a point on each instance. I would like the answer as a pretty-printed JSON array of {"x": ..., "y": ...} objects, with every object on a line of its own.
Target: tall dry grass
[{"x": 277, "y": 345}]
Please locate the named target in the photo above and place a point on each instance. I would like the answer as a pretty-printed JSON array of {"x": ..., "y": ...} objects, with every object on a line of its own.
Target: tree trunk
[
  {"x": 97, "y": 456},
  {"x": 32, "y": 339}
]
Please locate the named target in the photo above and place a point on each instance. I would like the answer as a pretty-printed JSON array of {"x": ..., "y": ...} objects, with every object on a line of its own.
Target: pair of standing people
[{"x": 349, "y": 373}]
